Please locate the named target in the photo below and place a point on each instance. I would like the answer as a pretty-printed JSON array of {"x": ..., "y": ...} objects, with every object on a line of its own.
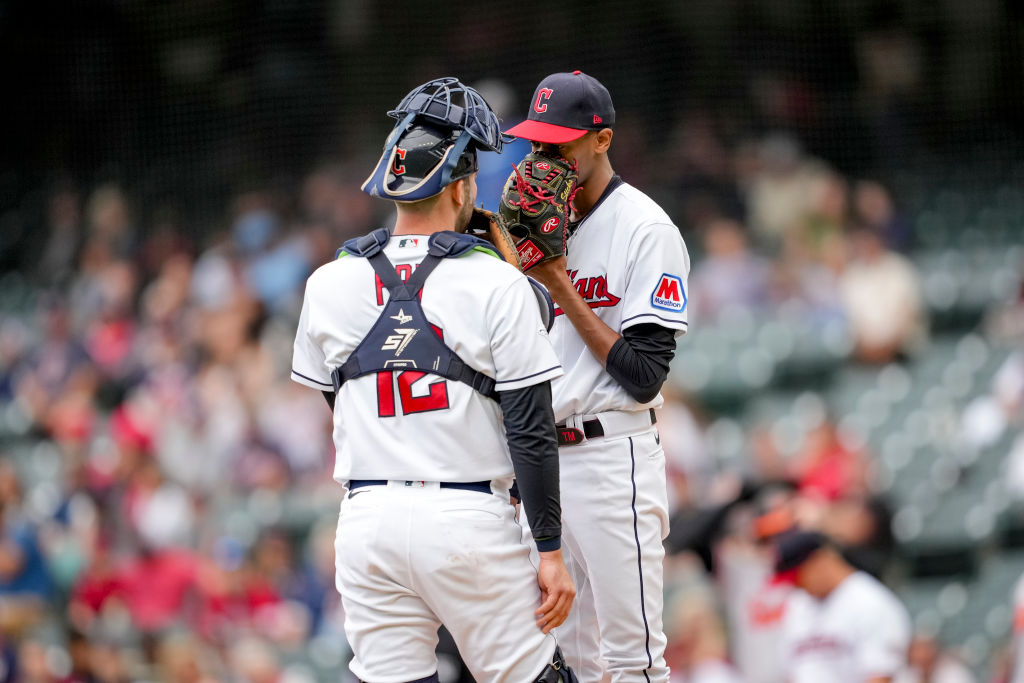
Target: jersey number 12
[{"x": 436, "y": 397}]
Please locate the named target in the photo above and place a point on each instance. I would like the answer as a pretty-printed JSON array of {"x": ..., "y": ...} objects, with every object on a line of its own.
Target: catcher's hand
[
  {"x": 535, "y": 206},
  {"x": 491, "y": 227}
]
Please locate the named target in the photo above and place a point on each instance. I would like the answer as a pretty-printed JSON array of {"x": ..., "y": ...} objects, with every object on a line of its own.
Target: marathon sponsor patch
[{"x": 669, "y": 294}]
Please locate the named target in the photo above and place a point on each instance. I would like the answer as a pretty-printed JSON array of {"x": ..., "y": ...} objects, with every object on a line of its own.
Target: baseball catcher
[{"x": 529, "y": 228}]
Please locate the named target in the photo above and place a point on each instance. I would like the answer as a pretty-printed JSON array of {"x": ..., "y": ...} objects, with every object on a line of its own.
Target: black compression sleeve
[
  {"x": 639, "y": 360},
  {"x": 530, "y": 430},
  {"x": 329, "y": 395}
]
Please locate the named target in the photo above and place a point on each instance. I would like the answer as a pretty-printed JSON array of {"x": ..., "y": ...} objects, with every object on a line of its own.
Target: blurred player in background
[{"x": 843, "y": 625}]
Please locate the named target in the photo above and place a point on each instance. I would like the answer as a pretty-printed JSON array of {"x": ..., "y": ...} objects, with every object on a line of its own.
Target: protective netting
[{"x": 849, "y": 180}]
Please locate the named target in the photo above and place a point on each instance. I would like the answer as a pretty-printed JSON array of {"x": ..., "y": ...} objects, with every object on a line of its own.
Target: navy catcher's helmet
[{"x": 441, "y": 125}]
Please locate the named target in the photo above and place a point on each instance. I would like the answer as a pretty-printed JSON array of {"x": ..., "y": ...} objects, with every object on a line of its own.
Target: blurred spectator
[
  {"x": 234, "y": 593},
  {"x": 989, "y": 415},
  {"x": 110, "y": 329},
  {"x": 1005, "y": 322},
  {"x": 892, "y": 64},
  {"x": 781, "y": 190},
  {"x": 110, "y": 223},
  {"x": 275, "y": 560},
  {"x": 70, "y": 531},
  {"x": 927, "y": 663},
  {"x": 112, "y": 663},
  {"x": 1017, "y": 646},
  {"x": 14, "y": 346},
  {"x": 811, "y": 288},
  {"x": 25, "y": 584},
  {"x": 38, "y": 663},
  {"x": 182, "y": 658},
  {"x": 252, "y": 660},
  {"x": 729, "y": 275},
  {"x": 705, "y": 186},
  {"x": 842, "y": 625},
  {"x": 57, "y": 383},
  {"x": 63, "y": 236},
  {"x": 874, "y": 209},
  {"x": 881, "y": 293},
  {"x": 823, "y": 221},
  {"x": 689, "y": 463},
  {"x": 157, "y": 586},
  {"x": 826, "y": 468},
  {"x": 697, "y": 651},
  {"x": 274, "y": 263},
  {"x": 80, "y": 654},
  {"x": 159, "y": 511}
]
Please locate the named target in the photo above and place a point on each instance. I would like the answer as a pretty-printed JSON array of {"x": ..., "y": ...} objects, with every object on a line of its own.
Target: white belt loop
[{"x": 615, "y": 422}]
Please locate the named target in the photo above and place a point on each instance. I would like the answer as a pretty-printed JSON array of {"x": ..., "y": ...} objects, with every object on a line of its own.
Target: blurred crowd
[{"x": 166, "y": 505}]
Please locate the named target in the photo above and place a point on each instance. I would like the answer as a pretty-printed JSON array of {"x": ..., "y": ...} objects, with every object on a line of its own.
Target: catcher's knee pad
[{"x": 557, "y": 671}]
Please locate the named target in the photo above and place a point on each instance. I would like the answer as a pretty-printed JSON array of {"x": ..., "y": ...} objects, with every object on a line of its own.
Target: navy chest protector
[{"x": 402, "y": 338}]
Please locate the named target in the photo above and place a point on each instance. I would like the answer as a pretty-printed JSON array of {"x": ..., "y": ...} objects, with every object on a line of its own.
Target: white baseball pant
[
  {"x": 615, "y": 516},
  {"x": 409, "y": 558}
]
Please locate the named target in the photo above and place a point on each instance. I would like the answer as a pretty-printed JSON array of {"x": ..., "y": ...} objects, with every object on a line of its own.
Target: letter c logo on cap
[{"x": 540, "y": 106}]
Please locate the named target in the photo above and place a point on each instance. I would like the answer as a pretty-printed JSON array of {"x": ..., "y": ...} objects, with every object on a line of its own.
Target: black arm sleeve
[
  {"x": 639, "y": 360},
  {"x": 530, "y": 430},
  {"x": 329, "y": 395}
]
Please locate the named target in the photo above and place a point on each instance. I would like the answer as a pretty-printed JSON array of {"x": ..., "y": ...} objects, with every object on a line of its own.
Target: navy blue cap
[
  {"x": 793, "y": 548},
  {"x": 564, "y": 107}
]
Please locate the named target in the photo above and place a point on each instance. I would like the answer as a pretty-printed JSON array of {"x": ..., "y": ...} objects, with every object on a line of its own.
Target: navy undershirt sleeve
[
  {"x": 530, "y": 430},
  {"x": 640, "y": 359}
]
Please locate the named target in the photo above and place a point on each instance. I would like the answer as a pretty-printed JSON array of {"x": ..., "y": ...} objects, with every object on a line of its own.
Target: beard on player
[{"x": 468, "y": 199}]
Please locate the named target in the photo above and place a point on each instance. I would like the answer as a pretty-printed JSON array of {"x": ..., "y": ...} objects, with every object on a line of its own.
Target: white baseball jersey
[
  {"x": 410, "y": 425},
  {"x": 859, "y": 632},
  {"x": 628, "y": 261}
]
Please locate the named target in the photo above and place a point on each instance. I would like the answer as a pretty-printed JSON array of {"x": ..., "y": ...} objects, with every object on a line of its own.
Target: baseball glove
[
  {"x": 535, "y": 206},
  {"x": 491, "y": 227}
]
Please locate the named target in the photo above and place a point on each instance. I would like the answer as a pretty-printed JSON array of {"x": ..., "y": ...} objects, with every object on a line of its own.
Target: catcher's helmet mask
[{"x": 441, "y": 125}]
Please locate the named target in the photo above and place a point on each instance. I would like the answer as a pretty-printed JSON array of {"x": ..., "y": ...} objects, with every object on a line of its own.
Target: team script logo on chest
[{"x": 593, "y": 289}]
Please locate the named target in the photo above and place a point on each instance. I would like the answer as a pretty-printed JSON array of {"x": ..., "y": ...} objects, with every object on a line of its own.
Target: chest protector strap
[{"x": 402, "y": 338}]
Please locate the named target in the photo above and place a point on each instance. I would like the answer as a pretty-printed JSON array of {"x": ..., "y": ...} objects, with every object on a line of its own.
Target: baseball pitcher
[{"x": 620, "y": 289}]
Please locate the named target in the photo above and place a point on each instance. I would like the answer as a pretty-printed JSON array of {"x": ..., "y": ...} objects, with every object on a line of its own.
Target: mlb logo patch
[
  {"x": 408, "y": 242},
  {"x": 669, "y": 294}
]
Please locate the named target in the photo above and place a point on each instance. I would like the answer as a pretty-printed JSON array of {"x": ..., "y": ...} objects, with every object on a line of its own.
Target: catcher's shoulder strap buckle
[
  {"x": 449, "y": 244},
  {"x": 369, "y": 244}
]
